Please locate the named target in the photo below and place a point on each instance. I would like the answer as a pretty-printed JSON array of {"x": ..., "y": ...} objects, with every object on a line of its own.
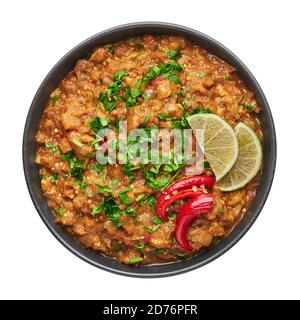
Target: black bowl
[{"x": 52, "y": 80}]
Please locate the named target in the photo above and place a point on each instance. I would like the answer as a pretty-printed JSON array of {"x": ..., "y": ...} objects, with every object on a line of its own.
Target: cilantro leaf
[
  {"x": 135, "y": 260},
  {"x": 173, "y": 54}
]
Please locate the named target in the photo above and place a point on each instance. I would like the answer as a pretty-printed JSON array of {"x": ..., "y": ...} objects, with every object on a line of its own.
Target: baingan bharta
[{"x": 143, "y": 213}]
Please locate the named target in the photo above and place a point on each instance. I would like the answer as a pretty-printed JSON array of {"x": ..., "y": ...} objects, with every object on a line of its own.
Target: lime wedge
[
  {"x": 217, "y": 140},
  {"x": 248, "y": 162}
]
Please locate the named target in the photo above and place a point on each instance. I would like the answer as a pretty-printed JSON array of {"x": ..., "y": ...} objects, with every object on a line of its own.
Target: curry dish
[{"x": 150, "y": 82}]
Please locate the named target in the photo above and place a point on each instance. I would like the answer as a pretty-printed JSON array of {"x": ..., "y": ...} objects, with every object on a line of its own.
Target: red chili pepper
[
  {"x": 207, "y": 181},
  {"x": 192, "y": 209},
  {"x": 169, "y": 199}
]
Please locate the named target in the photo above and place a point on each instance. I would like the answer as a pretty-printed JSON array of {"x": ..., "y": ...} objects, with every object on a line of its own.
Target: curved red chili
[
  {"x": 207, "y": 181},
  {"x": 169, "y": 199},
  {"x": 192, "y": 209}
]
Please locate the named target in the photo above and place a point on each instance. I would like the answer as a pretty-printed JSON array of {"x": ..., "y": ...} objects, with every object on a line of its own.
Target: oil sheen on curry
[{"x": 141, "y": 213}]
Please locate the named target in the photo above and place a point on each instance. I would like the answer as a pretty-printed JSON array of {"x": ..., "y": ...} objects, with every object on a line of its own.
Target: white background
[{"x": 36, "y": 34}]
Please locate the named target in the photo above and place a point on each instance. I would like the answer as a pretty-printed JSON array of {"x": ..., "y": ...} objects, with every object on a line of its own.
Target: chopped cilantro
[
  {"x": 171, "y": 167},
  {"x": 173, "y": 54},
  {"x": 140, "y": 198},
  {"x": 104, "y": 189},
  {"x": 134, "y": 217},
  {"x": 221, "y": 213},
  {"x": 140, "y": 246},
  {"x": 124, "y": 198},
  {"x": 115, "y": 181},
  {"x": 111, "y": 209},
  {"x": 159, "y": 251},
  {"x": 129, "y": 169},
  {"x": 117, "y": 247},
  {"x": 111, "y": 50},
  {"x": 96, "y": 210},
  {"x": 145, "y": 122},
  {"x": 250, "y": 107},
  {"x": 97, "y": 168},
  {"x": 150, "y": 230},
  {"x": 54, "y": 100},
  {"x": 157, "y": 220},
  {"x": 54, "y": 177},
  {"x": 76, "y": 167},
  {"x": 77, "y": 143},
  {"x": 135, "y": 260},
  {"x": 60, "y": 212},
  {"x": 158, "y": 183},
  {"x": 119, "y": 75},
  {"x": 166, "y": 116},
  {"x": 172, "y": 216},
  {"x": 97, "y": 124},
  {"x": 109, "y": 97},
  {"x": 172, "y": 77},
  {"x": 200, "y": 110},
  {"x": 118, "y": 224},
  {"x": 50, "y": 146},
  {"x": 151, "y": 201}
]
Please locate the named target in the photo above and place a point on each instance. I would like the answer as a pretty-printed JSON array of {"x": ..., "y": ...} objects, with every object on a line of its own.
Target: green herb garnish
[
  {"x": 77, "y": 143},
  {"x": 103, "y": 189},
  {"x": 96, "y": 210},
  {"x": 76, "y": 167},
  {"x": 198, "y": 110},
  {"x": 109, "y": 97},
  {"x": 115, "y": 181},
  {"x": 221, "y": 213},
  {"x": 173, "y": 54},
  {"x": 157, "y": 183},
  {"x": 118, "y": 224},
  {"x": 151, "y": 201},
  {"x": 172, "y": 77},
  {"x": 54, "y": 177},
  {"x": 140, "y": 246},
  {"x": 111, "y": 209},
  {"x": 171, "y": 167},
  {"x": 150, "y": 230},
  {"x": 111, "y": 50},
  {"x": 140, "y": 198},
  {"x": 157, "y": 220},
  {"x": 166, "y": 116},
  {"x": 54, "y": 100},
  {"x": 129, "y": 169},
  {"x": 97, "y": 168},
  {"x": 117, "y": 247},
  {"x": 60, "y": 212},
  {"x": 135, "y": 260},
  {"x": 50, "y": 146},
  {"x": 124, "y": 198},
  {"x": 172, "y": 216},
  {"x": 145, "y": 122},
  {"x": 250, "y": 107},
  {"x": 159, "y": 251},
  {"x": 97, "y": 124}
]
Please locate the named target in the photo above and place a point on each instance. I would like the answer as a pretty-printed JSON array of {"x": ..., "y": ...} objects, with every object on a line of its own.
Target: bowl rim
[{"x": 136, "y": 272}]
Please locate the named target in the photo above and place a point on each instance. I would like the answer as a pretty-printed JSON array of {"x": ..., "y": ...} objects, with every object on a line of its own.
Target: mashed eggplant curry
[{"x": 143, "y": 213}]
